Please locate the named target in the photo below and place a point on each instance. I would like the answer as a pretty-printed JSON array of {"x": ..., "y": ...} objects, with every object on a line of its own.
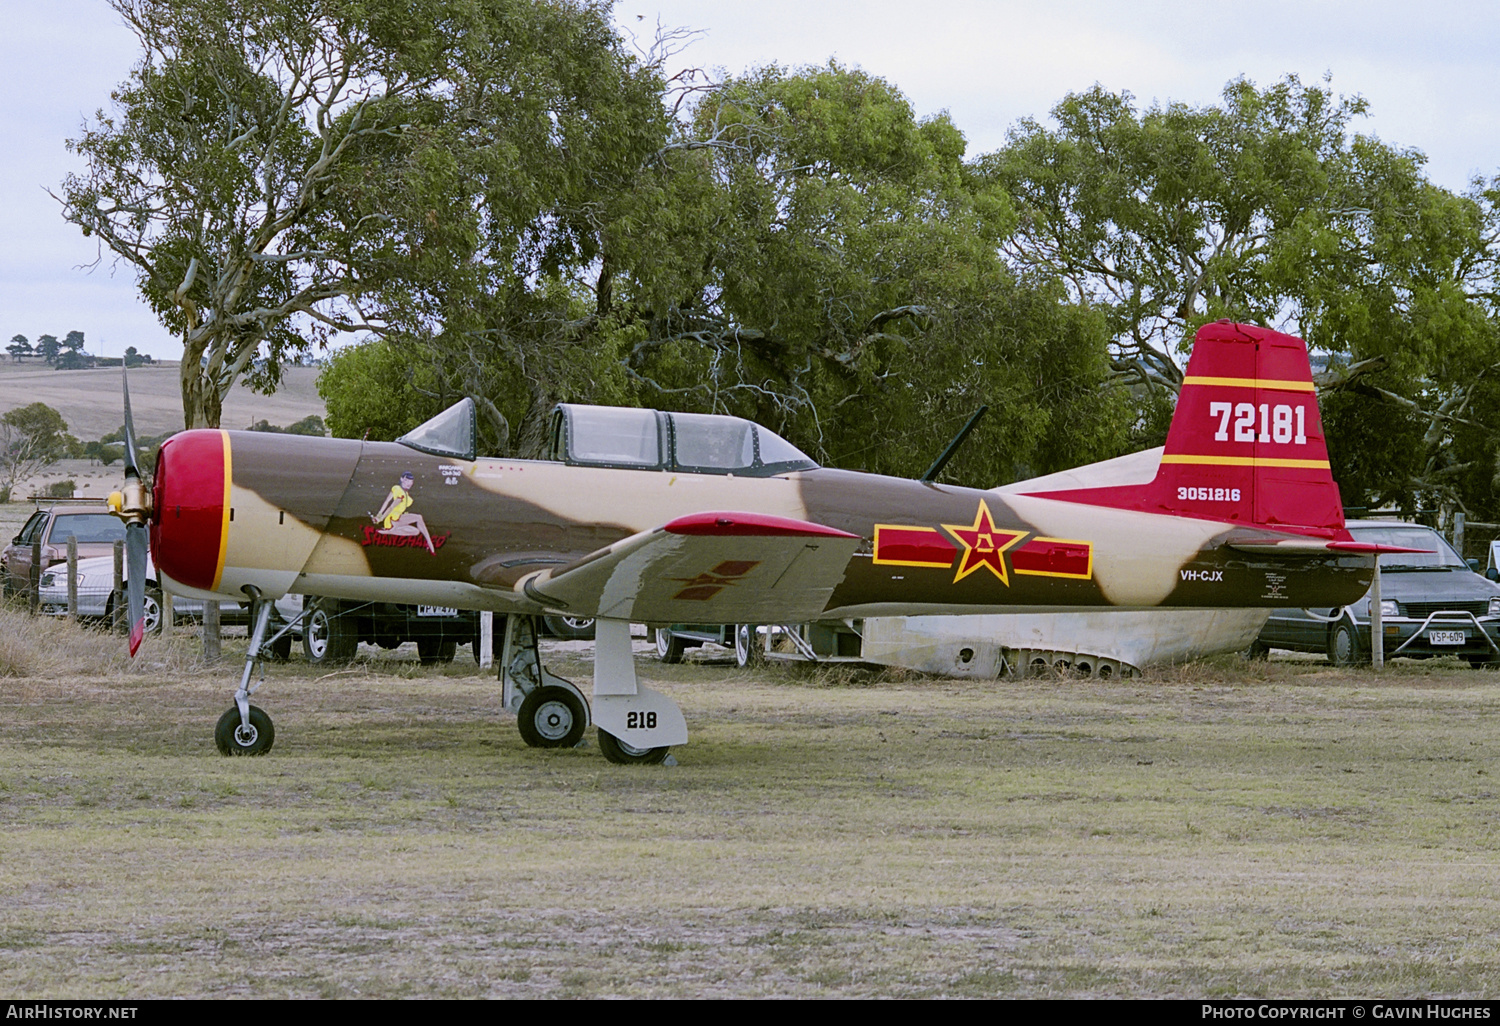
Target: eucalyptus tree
[
  {"x": 278, "y": 170},
  {"x": 798, "y": 248},
  {"x": 809, "y": 253},
  {"x": 1269, "y": 207}
]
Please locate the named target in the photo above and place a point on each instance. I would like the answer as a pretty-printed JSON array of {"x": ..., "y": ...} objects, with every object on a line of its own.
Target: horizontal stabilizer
[
  {"x": 1283, "y": 546},
  {"x": 704, "y": 568}
]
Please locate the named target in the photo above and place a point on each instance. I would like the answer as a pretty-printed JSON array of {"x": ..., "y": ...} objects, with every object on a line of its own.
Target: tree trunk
[{"x": 191, "y": 376}]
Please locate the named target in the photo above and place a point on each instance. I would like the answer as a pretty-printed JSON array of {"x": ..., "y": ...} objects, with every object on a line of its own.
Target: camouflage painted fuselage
[{"x": 305, "y": 515}]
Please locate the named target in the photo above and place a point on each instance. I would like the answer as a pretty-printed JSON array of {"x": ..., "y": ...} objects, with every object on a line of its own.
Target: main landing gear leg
[
  {"x": 636, "y": 724},
  {"x": 550, "y": 711},
  {"x": 245, "y": 729}
]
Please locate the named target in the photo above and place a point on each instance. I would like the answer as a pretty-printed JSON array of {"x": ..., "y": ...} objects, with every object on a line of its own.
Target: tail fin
[{"x": 1246, "y": 442}]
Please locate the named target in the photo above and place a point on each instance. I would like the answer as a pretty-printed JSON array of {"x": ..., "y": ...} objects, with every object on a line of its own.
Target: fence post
[
  {"x": 165, "y": 627},
  {"x": 117, "y": 596},
  {"x": 1458, "y": 536},
  {"x": 486, "y": 651},
  {"x": 35, "y": 577},
  {"x": 1377, "y": 622},
  {"x": 73, "y": 578},
  {"x": 211, "y": 648}
]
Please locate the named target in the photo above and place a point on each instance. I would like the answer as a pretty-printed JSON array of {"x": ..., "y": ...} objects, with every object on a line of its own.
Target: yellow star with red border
[{"x": 984, "y": 545}]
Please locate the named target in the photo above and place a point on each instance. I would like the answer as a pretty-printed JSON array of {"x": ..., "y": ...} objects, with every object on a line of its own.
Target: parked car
[
  {"x": 95, "y": 527},
  {"x": 96, "y": 598},
  {"x": 1432, "y": 604},
  {"x": 334, "y": 629},
  {"x": 673, "y": 641}
]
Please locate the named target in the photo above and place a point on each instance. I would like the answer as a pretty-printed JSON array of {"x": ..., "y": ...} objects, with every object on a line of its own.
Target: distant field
[
  {"x": 1221, "y": 829},
  {"x": 91, "y": 403},
  {"x": 90, "y": 400}
]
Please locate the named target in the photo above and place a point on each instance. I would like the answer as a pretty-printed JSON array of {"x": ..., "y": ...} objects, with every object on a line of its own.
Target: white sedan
[{"x": 96, "y": 595}]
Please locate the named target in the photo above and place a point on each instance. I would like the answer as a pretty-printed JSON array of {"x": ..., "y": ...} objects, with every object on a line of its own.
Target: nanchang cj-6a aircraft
[{"x": 661, "y": 517}]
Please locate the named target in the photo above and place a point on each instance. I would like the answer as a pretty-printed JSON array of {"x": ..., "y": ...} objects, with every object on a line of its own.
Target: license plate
[
  {"x": 1446, "y": 637},
  {"x": 453, "y": 611}
]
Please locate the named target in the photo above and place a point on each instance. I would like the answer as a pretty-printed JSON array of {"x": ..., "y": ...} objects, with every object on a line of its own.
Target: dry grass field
[
  {"x": 90, "y": 400},
  {"x": 1212, "y": 830}
]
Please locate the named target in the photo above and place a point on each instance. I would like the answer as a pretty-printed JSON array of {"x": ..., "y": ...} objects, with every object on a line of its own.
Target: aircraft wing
[{"x": 705, "y": 568}]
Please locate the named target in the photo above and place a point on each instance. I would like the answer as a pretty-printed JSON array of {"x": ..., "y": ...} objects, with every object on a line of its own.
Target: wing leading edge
[{"x": 705, "y": 568}]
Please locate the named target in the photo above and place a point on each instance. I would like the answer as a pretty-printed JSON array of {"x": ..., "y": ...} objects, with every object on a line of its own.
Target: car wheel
[
  {"x": 1258, "y": 651},
  {"x": 151, "y": 609},
  {"x": 746, "y": 650},
  {"x": 1344, "y": 648},
  {"x": 327, "y": 638},
  {"x": 669, "y": 647},
  {"x": 280, "y": 650},
  {"x": 577, "y": 628},
  {"x": 436, "y": 650}
]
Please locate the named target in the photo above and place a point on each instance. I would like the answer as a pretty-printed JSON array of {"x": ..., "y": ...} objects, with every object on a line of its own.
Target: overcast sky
[{"x": 1431, "y": 73}]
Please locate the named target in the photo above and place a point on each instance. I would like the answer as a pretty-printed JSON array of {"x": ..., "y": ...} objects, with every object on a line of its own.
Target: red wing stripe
[
  {"x": 896, "y": 545},
  {"x": 1054, "y": 557}
]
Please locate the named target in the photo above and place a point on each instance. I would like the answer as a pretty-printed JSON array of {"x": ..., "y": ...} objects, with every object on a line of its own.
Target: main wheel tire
[
  {"x": 572, "y": 628},
  {"x": 326, "y": 637},
  {"x": 1344, "y": 648},
  {"x": 436, "y": 650},
  {"x": 619, "y": 752},
  {"x": 669, "y": 647},
  {"x": 552, "y": 717},
  {"x": 747, "y": 651},
  {"x": 234, "y": 739},
  {"x": 1258, "y": 651}
]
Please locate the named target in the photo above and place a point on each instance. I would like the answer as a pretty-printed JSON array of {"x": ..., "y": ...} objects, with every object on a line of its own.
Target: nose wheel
[
  {"x": 245, "y": 729},
  {"x": 234, "y": 737}
]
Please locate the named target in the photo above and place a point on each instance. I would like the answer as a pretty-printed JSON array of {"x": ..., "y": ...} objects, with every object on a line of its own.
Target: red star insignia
[{"x": 984, "y": 545}]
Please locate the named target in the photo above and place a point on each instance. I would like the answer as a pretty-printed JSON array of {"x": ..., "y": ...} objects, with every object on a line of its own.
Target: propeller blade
[
  {"x": 131, "y": 465},
  {"x": 135, "y": 582}
]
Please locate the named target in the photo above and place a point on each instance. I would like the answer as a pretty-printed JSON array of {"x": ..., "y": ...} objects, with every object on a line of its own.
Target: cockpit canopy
[{"x": 693, "y": 443}]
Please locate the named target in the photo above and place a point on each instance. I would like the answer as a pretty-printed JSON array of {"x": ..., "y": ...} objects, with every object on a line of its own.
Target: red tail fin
[{"x": 1246, "y": 442}]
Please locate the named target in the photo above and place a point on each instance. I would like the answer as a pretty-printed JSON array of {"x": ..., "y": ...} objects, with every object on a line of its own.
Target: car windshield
[
  {"x": 1438, "y": 554},
  {"x": 87, "y": 528}
]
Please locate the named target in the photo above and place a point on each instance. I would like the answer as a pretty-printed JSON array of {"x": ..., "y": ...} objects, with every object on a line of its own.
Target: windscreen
[
  {"x": 87, "y": 528},
  {"x": 1439, "y": 554},
  {"x": 450, "y": 433}
]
